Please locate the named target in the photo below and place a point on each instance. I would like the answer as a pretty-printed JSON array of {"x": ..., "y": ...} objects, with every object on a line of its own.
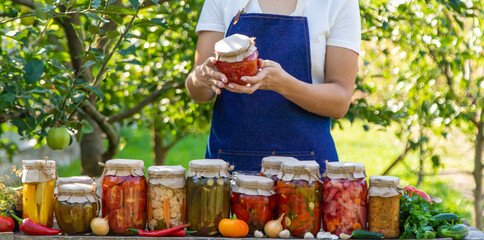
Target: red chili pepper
[
  {"x": 159, "y": 233},
  {"x": 181, "y": 233},
  {"x": 29, "y": 227},
  {"x": 6, "y": 224}
]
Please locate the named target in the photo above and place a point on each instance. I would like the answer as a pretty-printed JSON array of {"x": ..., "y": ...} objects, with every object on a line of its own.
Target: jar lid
[
  {"x": 384, "y": 186},
  {"x": 208, "y": 168},
  {"x": 234, "y": 48},
  {"x": 300, "y": 170},
  {"x": 76, "y": 193},
  {"x": 348, "y": 170},
  {"x": 75, "y": 179},
  {"x": 271, "y": 165},
  {"x": 38, "y": 170},
  {"x": 254, "y": 185},
  {"x": 124, "y": 167},
  {"x": 160, "y": 171}
]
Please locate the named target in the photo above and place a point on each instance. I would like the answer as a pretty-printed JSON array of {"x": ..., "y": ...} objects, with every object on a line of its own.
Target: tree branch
[
  {"x": 28, "y": 3},
  {"x": 444, "y": 69},
  {"x": 101, "y": 120},
  {"x": 129, "y": 112}
]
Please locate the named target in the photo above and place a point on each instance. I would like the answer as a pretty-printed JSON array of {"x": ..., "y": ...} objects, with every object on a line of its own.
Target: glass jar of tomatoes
[
  {"x": 208, "y": 195},
  {"x": 38, "y": 190},
  {"x": 253, "y": 200},
  {"x": 124, "y": 190},
  {"x": 344, "y": 197},
  {"x": 271, "y": 166},
  {"x": 237, "y": 56},
  {"x": 384, "y": 206},
  {"x": 299, "y": 197},
  {"x": 166, "y": 197},
  {"x": 75, "y": 206}
]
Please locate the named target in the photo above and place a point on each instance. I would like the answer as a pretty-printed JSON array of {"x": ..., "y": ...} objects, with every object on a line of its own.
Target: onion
[
  {"x": 274, "y": 227},
  {"x": 100, "y": 226},
  {"x": 258, "y": 234},
  {"x": 284, "y": 234}
]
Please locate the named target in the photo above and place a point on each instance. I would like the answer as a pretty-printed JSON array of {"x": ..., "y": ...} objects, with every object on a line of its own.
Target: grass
[{"x": 375, "y": 148}]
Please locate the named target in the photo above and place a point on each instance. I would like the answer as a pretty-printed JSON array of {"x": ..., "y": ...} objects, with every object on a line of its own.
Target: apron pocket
[{"x": 251, "y": 160}]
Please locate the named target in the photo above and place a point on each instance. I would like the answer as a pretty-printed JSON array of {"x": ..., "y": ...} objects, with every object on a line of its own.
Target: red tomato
[
  {"x": 241, "y": 212},
  {"x": 299, "y": 204},
  {"x": 114, "y": 197},
  {"x": 249, "y": 66},
  {"x": 119, "y": 221}
]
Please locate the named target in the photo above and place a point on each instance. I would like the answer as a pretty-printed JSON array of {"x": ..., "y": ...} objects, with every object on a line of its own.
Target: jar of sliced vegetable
[
  {"x": 384, "y": 206},
  {"x": 75, "y": 206},
  {"x": 253, "y": 200},
  {"x": 299, "y": 197},
  {"x": 38, "y": 190},
  {"x": 166, "y": 197},
  {"x": 124, "y": 195},
  {"x": 208, "y": 195},
  {"x": 344, "y": 197},
  {"x": 270, "y": 166}
]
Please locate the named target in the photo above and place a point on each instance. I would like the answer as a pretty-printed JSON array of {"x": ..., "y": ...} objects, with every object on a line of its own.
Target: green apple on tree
[{"x": 58, "y": 138}]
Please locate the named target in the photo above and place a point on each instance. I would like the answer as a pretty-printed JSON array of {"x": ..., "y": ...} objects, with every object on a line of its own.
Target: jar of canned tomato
[
  {"x": 384, "y": 206},
  {"x": 299, "y": 197},
  {"x": 208, "y": 195},
  {"x": 237, "y": 56},
  {"x": 271, "y": 166},
  {"x": 38, "y": 181},
  {"x": 253, "y": 200},
  {"x": 75, "y": 206},
  {"x": 344, "y": 197},
  {"x": 124, "y": 191},
  {"x": 166, "y": 197}
]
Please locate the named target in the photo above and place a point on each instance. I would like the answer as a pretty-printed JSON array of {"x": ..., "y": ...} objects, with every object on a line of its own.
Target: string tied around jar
[
  {"x": 122, "y": 167},
  {"x": 38, "y": 170},
  {"x": 345, "y": 170},
  {"x": 384, "y": 186}
]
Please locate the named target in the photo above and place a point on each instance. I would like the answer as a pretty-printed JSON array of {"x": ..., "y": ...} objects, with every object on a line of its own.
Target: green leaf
[
  {"x": 127, "y": 51},
  {"x": 9, "y": 97},
  {"x": 134, "y": 3},
  {"x": 120, "y": 10},
  {"x": 96, "y": 91},
  {"x": 155, "y": 2},
  {"x": 95, "y": 3},
  {"x": 132, "y": 61},
  {"x": 41, "y": 13},
  {"x": 20, "y": 124},
  {"x": 88, "y": 64},
  {"x": 33, "y": 70},
  {"x": 160, "y": 21},
  {"x": 57, "y": 64},
  {"x": 86, "y": 127}
]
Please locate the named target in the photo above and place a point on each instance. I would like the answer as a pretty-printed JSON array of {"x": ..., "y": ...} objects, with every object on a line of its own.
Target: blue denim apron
[{"x": 245, "y": 128}]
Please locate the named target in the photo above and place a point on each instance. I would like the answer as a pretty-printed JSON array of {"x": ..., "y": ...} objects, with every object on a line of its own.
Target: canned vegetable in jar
[{"x": 237, "y": 56}]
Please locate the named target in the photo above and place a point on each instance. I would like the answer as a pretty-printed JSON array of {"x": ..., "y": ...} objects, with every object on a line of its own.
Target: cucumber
[
  {"x": 448, "y": 217},
  {"x": 456, "y": 232},
  {"x": 363, "y": 234}
]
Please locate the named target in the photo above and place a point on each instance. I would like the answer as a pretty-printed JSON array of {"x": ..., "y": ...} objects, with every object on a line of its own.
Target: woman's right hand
[{"x": 207, "y": 76}]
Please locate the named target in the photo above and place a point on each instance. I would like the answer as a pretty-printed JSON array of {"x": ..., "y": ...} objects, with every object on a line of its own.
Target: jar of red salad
[
  {"x": 253, "y": 200},
  {"x": 299, "y": 197},
  {"x": 271, "y": 166},
  {"x": 344, "y": 197},
  {"x": 237, "y": 56}
]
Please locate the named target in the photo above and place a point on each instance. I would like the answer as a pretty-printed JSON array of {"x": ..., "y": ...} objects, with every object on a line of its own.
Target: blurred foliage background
[{"x": 114, "y": 70}]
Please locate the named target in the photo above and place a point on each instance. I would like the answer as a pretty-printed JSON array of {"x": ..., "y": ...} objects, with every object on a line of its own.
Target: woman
[{"x": 309, "y": 51}]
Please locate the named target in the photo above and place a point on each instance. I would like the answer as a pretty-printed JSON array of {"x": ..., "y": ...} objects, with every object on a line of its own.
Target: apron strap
[{"x": 297, "y": 12}]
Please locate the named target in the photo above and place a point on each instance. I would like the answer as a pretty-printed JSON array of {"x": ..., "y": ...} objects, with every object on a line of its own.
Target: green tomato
[{"x": 58, "y": 138}]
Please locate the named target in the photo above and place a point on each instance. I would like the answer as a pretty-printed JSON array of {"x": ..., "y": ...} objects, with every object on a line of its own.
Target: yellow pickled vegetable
[
  {"x": 46, "y": 206},
  {"x": 39, "y": 192},
  {"x": 29, "y": 203}
]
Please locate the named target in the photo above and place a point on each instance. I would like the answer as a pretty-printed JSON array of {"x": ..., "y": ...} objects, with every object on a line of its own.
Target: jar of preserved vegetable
[
  {"x": 38, "y": 190},
  {"x": 75, "y": 206},
  {"x": 124, "y": 190},
  {"x": 75, "y": 179},
  {"x": 384, "y": 206},
  {"x": 208, "y": 195},
  {"x": 253, "y": 200},
  {"x": 344, "y": 197},
  {"x": 299, "y": 197},
  {"x": 271, "y": 166},
  {"x": 166, "y": 197}
]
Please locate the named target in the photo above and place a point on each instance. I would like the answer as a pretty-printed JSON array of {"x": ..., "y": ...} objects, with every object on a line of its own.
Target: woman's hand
[
  {"x": 268, "y": 78},
  {"x": 207, "y": 76}
]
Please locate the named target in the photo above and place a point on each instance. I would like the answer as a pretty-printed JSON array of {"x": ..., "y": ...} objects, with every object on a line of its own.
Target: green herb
[{"x": 415, "y": 214}]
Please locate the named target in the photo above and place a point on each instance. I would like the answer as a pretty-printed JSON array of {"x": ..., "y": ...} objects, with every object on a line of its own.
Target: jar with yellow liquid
[{"x": 38, "y": 180}]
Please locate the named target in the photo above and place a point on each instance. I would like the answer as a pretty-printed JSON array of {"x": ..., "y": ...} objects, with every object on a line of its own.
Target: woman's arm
[
  {"x": 205, "y": 81},
  {"x": 330, "y": 99}
]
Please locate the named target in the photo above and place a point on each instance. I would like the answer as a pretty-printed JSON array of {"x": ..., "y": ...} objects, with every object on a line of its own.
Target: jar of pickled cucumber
[
  {"x": 345, "y": 194},
  {"x": 124, "y": 191},
  {"x": 38, "y": 180},
  {"x": 75, "y": 206},
  {"x": 299, "y": 197},
  {"x": 166, "y": 197},
  {"x": 208, "y": 195},
  {"x": 384, "y": 205},
  {"x": 271, "y": 166},
  {"x": 253, "y": 200},
  {"x": 75, "y": 179}
]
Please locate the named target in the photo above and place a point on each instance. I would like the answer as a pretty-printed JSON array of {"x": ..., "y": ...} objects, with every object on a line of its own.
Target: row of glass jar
[{"x": 296, "y": 191}]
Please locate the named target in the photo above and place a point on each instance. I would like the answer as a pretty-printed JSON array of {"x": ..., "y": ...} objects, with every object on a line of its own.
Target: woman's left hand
[{"x": 268, "y": 78}]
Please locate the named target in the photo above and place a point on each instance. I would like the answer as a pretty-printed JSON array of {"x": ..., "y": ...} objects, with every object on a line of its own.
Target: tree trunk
[
  {"x": 92, "y": 149},
  {"x": 421, "y": 159},
  {"x": 160, "y": 151},
  {"x": 478, "y": 175}
]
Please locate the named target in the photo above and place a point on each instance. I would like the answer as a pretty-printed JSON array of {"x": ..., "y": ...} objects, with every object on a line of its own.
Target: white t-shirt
[{"x": 331, "y": 22}]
